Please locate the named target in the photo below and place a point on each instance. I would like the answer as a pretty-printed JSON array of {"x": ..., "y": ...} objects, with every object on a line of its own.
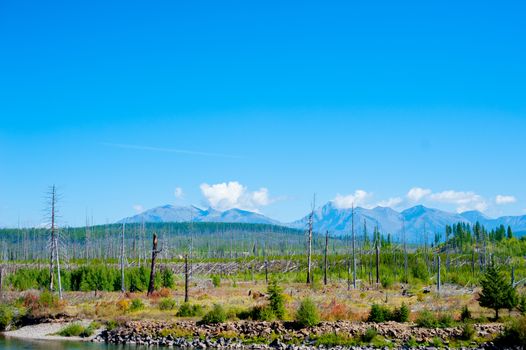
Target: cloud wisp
[
  {"x": 359, "y": 198},
  {"x": 503, "y": 199},
  {"x": 171, "y": 150},
  {"x": 461, "y": 200},
  {"x": 178, "y": 193}
]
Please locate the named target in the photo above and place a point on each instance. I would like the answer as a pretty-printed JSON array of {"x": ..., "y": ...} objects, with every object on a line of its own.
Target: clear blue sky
[{"x": 99, "y": 98}]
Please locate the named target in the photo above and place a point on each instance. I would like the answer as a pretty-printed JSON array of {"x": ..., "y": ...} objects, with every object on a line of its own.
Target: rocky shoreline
[{"x": 278, "y": 335}]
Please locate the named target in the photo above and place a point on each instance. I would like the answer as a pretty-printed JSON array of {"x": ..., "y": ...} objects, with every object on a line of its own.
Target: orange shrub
[
  {"x": 124, "y": 304},
  {"x": 335, "y": 311},
  {"x": 164, "y": 292},
  {"x": 31, "y": 301}
]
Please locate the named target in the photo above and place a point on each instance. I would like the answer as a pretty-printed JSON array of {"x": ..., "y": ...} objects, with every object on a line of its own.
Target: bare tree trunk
[
  {"x": 377, "y": 263},
  {"x": 1, "y": 281},
  {"x": 266, "y": 270},
  {"x": 439, "y": 282},
  {"x": 151, "y": 286},
  {"x": 353, "y": 250},
  {"x": 309, "y": 244},
  {"x": 325, "y": 258},
  {"x": 123, "y": 288},
  {"x": 473, "y": 262},
  {"x": 186, "y": 278},
  {"x": 57, "y": 258},
  {"x": 51, "y": 260}
]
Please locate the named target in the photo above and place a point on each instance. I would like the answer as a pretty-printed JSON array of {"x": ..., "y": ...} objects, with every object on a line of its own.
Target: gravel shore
[{"x": 46, "y": 331}]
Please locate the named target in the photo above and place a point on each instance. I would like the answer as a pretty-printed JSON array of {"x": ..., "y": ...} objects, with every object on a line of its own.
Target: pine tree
[
  {"x": 509, "y": 233},
  {"x": 497, "y": 293}
]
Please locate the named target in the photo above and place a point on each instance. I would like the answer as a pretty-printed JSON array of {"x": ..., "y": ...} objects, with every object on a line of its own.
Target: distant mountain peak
[
  {"x": 175, "y": 213},
  {"x": 338, "y": 221}
]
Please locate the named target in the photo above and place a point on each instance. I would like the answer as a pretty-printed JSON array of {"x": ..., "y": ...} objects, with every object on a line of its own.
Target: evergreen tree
[
  {"x": 509, "y": 233},
  {"x": 497, "y": 293},
  {"x": 276, "y": 299}
]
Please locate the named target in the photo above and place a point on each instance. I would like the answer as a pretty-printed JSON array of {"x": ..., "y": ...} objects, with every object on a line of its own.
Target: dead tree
[
  {"x": 406, "y": 276},
  {"x": 1, "y": 281},
  {"x": 52, "y": 248},
  {"x": 151, "y": 286},
  {"x": 54, "y": 256},
  {"x": 309, "y": 243},
  {"x": 186, "y": 273},
  {"x": 57, "y": 260},
  {"x": 377, "y": 256},
  {"x": 353, "y": 250},
  {"x": 438, "y": 274},
  {"x": 123, "y": 288},
  {"x": 325, "y": 258}
]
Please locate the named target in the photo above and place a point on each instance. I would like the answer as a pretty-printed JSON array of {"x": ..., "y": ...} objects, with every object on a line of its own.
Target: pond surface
[{"x": 19, "y": 344}]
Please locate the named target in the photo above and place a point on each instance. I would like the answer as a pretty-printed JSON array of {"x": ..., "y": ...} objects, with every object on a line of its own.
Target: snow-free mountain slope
[
  {"x": 171, "y": 213},
  {"x": 417, "y": 222}
]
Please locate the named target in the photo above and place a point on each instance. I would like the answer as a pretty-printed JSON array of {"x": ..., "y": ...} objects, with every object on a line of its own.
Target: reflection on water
[{"x": 17, "y": 344}]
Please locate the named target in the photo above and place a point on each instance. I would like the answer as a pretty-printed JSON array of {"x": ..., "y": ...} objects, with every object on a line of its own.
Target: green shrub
[
  {"x": 47, "y": 299},
  {"x": 262, "y": 313},
  {"x": 427, "y": 319},
  {"x": 307, "y": 314},
  {"x": 468, "y": 332},
  {"x": 216, "y": 280},
  {"x": 136, "y": 305},
  {"x": 88, "y": 331},
  {"x": 276, "y": 299},
  {"x": 244, "y": 314},
  {"x": 445, "y": 321},
  {"x": 6, "y": 316},
  {"x": 401, "y": 314},
  {"x": 167, "y": 304},
  {"x": 111, "y": 325},
  {"x": 386, "y": 281},
  {"x": 331, "y": 340},
  {"x": 437, "y": 342},
  {"x": 71, "y": 330},
  {"x": 216, "y": 315},
  {"x": 78, "y": 330},
  {"x": 521, "y": 305},
  {"x": 465, "y": 314},
  {"x": 411, "y": 343},
  {"x": 514, "y": 332},
  {"x": 167, "y": 278},
  {"x": 379, "y": 314},
  {"x": 368, "y": 335},
  {"x": 420, "y": 271},
  {"x": 189, "y": 310}
]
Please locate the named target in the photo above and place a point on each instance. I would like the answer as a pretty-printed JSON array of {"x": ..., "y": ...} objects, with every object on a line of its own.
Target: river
[{"x": 19, "y": 344}]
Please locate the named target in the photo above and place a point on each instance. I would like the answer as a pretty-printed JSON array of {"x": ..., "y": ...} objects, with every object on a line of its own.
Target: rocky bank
[{"x": 280, "y": 335}]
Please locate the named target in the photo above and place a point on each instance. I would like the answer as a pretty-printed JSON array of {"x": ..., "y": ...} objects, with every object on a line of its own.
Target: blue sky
[{"x": 260, "y": 105}]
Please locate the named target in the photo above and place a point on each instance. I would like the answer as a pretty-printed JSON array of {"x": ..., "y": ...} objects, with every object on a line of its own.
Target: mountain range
[
  {"x": 418, "y": 223},
  {"x": 171, "y": 213}
]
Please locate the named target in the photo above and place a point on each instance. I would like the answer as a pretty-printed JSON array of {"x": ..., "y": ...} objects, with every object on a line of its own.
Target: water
[{"x": 18, "y": 344}]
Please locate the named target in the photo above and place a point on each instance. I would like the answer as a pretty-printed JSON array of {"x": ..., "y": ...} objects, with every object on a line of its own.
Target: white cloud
[
  {"x": 417, "y": 193},
  {"x": 178, "y": 193},
  {"x": 391, "y": 202},
  {"x": 261, "y": 197},
  {"x": 224, "y": 196},
  {"x": 463, "y": 200},
  {"x": 502, "y": 199},
  {"x": 138, "y": 208},
  {"x": 360, "y": 198},
  {"x": 460, "y": 200}
]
